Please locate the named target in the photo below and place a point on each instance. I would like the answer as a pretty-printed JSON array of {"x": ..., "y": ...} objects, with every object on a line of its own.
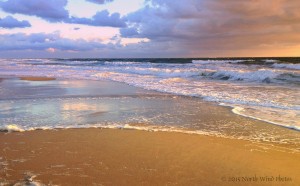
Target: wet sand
[
  {"x": 28, "y": 78},
  {"x": 131, "y": 157}
]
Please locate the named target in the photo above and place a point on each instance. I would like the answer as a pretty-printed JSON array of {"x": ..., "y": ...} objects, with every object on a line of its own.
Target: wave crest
[{"x": 12, "y": 128}]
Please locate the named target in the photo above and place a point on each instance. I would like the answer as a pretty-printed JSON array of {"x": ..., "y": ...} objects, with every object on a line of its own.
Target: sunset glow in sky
[{"x": 149, "y": 28}]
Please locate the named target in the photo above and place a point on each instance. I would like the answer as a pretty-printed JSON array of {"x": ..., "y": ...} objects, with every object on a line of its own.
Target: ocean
[{"x": 266, "y": 89}]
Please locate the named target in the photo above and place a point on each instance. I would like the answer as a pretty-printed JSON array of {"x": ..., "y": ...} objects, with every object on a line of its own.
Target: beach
[
  {"x": 131, "y": 157},
  {"x": 84, "y": 132},
  {"x": 149, "y": 93}
]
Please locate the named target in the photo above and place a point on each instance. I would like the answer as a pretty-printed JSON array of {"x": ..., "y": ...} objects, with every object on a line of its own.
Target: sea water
[{"x": 266, "y": 89}]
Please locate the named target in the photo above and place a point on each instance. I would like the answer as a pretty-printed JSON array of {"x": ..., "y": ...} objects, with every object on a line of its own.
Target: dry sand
[{"x": 131, "y": 157}]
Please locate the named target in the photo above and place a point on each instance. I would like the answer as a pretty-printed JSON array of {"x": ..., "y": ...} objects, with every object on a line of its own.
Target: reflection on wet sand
[
  {"x": 83, "y": 110},
  {"x": 94, "y": 114},
  {"x": 78, "y": 107}
]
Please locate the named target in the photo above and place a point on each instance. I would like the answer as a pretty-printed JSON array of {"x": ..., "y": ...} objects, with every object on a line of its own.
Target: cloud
[
  {"x": 100, "y": 1},
  {"x": 129, "y": 32},
  {"x": 53, "y": 45},
  {"x": 42, "y": 41},
  {"x": 214, "y": 27},
  {"x": 174, "y": 28},
  {"x": 51, "y": 10},
  {"x": 102, "y": 18},
  {"x": 54, "y": 11},
  {"x": 10, "y": 22}
]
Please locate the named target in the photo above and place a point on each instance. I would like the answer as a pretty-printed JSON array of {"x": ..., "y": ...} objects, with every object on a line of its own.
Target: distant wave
[
  {"x": 203, "y": 62},
  {"x": 271, "y": 60},
  {"x": 286, "y": 65}
]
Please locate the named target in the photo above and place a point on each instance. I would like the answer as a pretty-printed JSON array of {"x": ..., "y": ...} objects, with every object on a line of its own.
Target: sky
[{"x": 149, "y": 28}]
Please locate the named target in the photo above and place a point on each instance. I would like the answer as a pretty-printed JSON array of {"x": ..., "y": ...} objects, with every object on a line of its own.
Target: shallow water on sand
[
  {"x": 266, "y": 89},
  {"x": 29, "y": 105}
]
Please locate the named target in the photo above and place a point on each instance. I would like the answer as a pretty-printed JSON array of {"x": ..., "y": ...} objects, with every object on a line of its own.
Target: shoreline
[
  {"x": 130, "y": 154},
  {"x": 87, "y": 156},
  {"x": 134, "y": 92},
  {"x": 287, "y": 148}
]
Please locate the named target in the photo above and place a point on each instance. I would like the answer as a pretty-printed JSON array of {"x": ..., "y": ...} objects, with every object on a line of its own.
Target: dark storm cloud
[
  {"x": 10, "y": 22},
  {"x": 100, "y": 1},
  {"x": 219, "y": 25},
  {"x": 51, "y": 10},
  {"x": 102, "y": 18}
]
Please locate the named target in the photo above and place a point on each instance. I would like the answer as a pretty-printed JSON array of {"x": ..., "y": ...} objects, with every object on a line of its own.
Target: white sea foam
[
  {"x": 276, "y": 119},
  {"x": 154, "y": 128},
  {"x": 120, "y": 63},
  {"x": 12, "y": 128},
  {"x": 174, "y": 80},
  {"x": 29, "y": 181},
  {"x": 18, "y": 128}
]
